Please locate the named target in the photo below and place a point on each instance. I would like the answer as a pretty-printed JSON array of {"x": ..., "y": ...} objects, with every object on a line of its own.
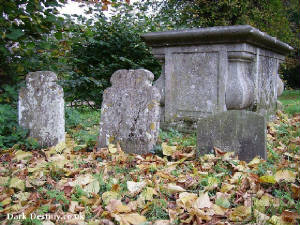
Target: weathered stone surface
[
  {"x": 41, "y": 108},
  {"x": 130, "y": 111},
  {"x": 215, "y": 69},
  {"x": 241, "y": 131},
  {"x": 280, "y": 86}
]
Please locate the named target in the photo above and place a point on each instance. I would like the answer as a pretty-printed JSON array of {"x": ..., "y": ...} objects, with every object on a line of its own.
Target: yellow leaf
[
  {"x": 186, "y": 200},
  {"x": 21, "y": 155},
  {"x": 277, "y": 220},
  {"x": 226, "y": 187},
  {"x": 58, "y": 160},
  {"x": 285, "y": 175},
  {"x": 17, "y": 184},
  {"x": 254, "y": 162},
  {"x": 116, "y": 206},
  {"x": 112, "y": 148},
  {"x": 168, "y": 150},
  {"x": 240, "y": 214},
  {"x": 148, "y": 193},
  {"x": 3, "y": 180},
  {"x": 109, "y": 195},
  {"x": 58, "y": 148},
  {"x": 6, "y": 201},
  {"x": 267, "y": 179},
  {"x": 220, "y": 211},
  {"x": 130, "y": 219}
]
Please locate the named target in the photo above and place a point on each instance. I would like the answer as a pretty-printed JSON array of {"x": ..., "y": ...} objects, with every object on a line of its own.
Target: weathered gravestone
[
  {"x": 130, "y": 112},
  {"x": 243, "y": 132},
  {"x": 41, "y": 108},
  {"x": 215, "y": 69}
]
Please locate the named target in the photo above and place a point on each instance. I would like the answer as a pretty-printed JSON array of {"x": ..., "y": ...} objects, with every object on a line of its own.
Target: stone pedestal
[{"x": 210, "y": 70}]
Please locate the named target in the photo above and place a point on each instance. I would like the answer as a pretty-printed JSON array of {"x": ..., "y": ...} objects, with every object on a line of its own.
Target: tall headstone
[
  {"x": 130, "y": 112},
  {"x": 239, "y": 131},
  {"x": 41, "y": 108}
]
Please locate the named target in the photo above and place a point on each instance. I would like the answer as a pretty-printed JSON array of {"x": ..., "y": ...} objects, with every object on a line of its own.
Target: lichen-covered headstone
[
  {"x": 239, "y": 131},
  {"x": 130, "y": 112},
  {"x": 41, "y": 108}
]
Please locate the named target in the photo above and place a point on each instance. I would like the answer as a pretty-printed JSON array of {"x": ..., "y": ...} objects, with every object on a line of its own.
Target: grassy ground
[
  {"x": 290, "y": 100},
  {"x": 83, "y": 186}
]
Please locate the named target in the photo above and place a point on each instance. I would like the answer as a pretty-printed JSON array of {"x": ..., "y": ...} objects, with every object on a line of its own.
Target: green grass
[
  {"x": 290, "y": 100},
  {"x": 82, "y": 124}
]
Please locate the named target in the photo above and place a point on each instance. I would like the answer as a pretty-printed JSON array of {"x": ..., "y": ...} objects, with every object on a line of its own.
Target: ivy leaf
[
  {"x": 58, "y": 35},
  {"x": 15, "y": 34}
]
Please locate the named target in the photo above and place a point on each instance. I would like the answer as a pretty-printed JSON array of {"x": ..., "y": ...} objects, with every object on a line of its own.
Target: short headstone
[
  {"x": 239, "y": 131},
  {"x": 41, "y": 108},
  {"x": 130, "y": 112}
]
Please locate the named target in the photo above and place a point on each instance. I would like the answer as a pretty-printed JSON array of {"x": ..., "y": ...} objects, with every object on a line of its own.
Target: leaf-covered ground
[{"x": 68, "y": 184}]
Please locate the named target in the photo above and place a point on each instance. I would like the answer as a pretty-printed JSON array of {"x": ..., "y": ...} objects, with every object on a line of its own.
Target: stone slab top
[{"x": 216, "y": 35}]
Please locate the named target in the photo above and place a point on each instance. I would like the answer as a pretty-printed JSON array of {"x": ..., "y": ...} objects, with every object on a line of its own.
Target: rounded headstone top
[
  {"x": 216, "y": 35},
  {"x": 42, "y": 76},
  {"x": 140, "y": 75}
]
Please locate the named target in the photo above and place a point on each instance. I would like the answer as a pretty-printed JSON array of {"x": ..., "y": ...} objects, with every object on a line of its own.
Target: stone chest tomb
[{"x": 211, "y": 70}]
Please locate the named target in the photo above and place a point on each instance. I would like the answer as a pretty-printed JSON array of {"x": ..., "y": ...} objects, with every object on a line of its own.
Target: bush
[
  {"x": 10, "y": 132},
  {"x": 101, "y": 49}
]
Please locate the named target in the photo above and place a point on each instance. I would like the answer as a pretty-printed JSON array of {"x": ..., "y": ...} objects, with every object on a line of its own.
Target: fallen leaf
[
  {"x": 186, "y": 200},
  {"x": 112, "y": 148},
  {"x": 285, "y": 175},
  {"x": 202, "y": 201},
  {"x": 17, "y": 184},
  {"x": 261, "y": 218},
  {"x": 295, "y": 191},
  {"x": 109, "y": 195},
  {"x": 81, "y": 180},
  {"x": 3, "y": 180},
  {"x": 6, "y": 201},
  {"x": 290, "y": 217},
  {"x": 267, "y": 179},
  {"x": 116, "y": 206},
  {"x": 22, "y": 196},
  {"x": 21, "y": 155},
  {"x": 219, "y": 210},
  {"x": 93, "y": 187},
  {"x": 162, "y": 222},
  {"x": 240, "y": 214},
  {"x": 254, "y": 162},
  {"x": 148, "y": 193},
  {"x": 130, "y": 219},
  {"x": 135, "y": 187},
  {"x": 57, "y": 148},
  {"x": 168, "y": 150},
  {"x": 173, "y": 188},
  {"x": 223, "y": 202}
]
